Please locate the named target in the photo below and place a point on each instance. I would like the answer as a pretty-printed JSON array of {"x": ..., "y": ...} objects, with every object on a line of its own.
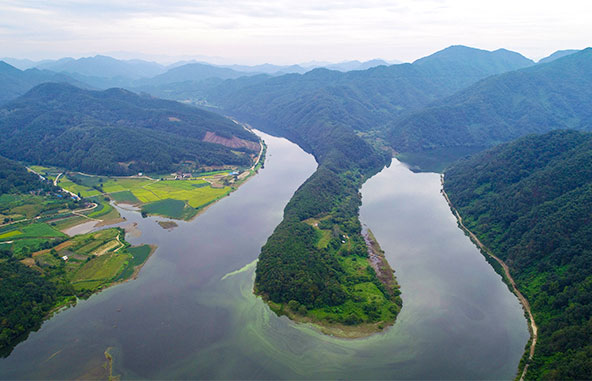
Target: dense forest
[
  {"x": 362, "y": 100},
  {"x": 500, "y": 108},
  {"x": 14, "y": 178},
  {"x": 530, "y": 202},
  {"x": 113, "y": 132}
]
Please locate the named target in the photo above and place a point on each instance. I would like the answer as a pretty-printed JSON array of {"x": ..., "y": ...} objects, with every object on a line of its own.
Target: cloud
[{"x": 289, "y": 31}]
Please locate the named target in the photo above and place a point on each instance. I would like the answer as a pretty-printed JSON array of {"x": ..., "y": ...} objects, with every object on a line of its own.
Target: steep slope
[
  {"x": 504, "y": 107},
  {"x": 113, "y": 132},
  {"x": 530, "y": 202},
  {"x": 558, "y": 54},
  {"x": 15, "y": 82},
  {"x": 363, "y": 100}
]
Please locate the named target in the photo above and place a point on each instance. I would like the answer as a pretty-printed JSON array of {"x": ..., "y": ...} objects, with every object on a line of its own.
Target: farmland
[
  {"x": 178, "y": 195},
  {"x": 91, "y": 261},
  {"x": 180, "y": 199}
]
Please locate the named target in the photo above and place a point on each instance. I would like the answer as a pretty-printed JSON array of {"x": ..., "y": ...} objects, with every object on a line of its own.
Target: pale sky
[{"x": 285, "y": 32}]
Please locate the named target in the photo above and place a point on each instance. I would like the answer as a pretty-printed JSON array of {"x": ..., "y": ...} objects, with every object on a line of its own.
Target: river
[{"x": 191, "y": 312}]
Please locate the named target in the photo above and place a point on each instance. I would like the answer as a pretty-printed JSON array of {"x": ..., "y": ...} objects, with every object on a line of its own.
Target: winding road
[{"x": 523, "y": 300}]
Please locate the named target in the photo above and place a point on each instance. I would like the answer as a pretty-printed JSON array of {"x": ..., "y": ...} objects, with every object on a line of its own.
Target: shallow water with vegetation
[{"x": 191, "y": 312}]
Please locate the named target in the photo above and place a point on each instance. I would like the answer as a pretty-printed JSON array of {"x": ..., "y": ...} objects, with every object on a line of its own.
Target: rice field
[{"x": 194, "y": 193}]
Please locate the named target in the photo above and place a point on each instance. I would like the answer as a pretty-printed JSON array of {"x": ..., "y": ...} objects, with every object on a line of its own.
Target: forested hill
[
  {"x": 503, "y": 107},
  {"x": 530, "y": 202},
  {"x": 14, "y": 178},
  {"x": 362, "y": 100},
  {"x": 113, "y": 131},
  {"x": 15, "y": 82}
]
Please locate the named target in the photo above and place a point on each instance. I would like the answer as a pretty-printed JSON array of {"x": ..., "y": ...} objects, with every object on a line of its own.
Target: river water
[{"x": 191, "y": 312}]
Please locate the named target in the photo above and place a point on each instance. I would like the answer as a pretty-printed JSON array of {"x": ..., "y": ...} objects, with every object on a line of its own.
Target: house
[{"x": 65, "y": 257}]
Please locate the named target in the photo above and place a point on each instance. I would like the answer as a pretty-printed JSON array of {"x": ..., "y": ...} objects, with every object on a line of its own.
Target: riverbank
[{"x": 507, "y": 277}]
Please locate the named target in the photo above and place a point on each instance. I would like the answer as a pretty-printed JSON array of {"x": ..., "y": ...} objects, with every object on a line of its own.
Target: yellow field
[
  {"x": 68, "y": 185},
  {"x": 10, "y": 234},
  {"x": 195, "y": 192}
]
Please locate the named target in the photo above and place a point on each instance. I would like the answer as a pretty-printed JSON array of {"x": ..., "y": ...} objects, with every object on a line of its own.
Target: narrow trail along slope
[{"x": 521, "y": 298}]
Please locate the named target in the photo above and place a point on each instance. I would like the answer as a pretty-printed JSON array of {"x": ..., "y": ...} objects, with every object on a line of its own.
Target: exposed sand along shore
[{"x": 532, "y": 326}]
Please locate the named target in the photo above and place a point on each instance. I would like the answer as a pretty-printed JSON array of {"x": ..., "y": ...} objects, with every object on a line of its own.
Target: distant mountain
[
  {"x": 191, "y": 72},
  {"x": 557, "y": 54},
  {"x": 268, "y": 69},
  {"x": 362, "y": 100},
  {"x": 461, "y": 65},
  {"x": 21, "y": 64},
  {"x": 15, "y": 82},
  {"x": 105, "y": 67},
  {"x": 503, "y": 107},
  {"x": 115, "y": 132},
  {"x": 355, "y": 65},
  {"x": 530, "y": 202}
]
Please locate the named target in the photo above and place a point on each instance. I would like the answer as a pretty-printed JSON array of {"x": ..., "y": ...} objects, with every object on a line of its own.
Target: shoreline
[
  {"x": 337, "y": 330},
  {"x": 532, "y": 327}
]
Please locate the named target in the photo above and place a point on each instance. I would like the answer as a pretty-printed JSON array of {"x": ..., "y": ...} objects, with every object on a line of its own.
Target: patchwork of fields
[{"x": 194, "y": 193}]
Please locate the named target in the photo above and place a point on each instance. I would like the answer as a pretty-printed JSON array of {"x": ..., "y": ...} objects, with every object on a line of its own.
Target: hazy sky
[{"x": 282, "y": 31}]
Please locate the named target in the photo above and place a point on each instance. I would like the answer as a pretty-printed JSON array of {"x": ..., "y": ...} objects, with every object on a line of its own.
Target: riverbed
[{"x": 191, "y": 312}]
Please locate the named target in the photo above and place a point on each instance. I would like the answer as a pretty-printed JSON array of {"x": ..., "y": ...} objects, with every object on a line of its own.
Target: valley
[{"x": 387, "y": 222}]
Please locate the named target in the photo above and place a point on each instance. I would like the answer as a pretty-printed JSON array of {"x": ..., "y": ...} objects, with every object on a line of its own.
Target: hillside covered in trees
[
  {"x": 504, "y": 107},
  {"x": 530, "y": 202},
  {"x": 14, "y": 178},
  {"x": 363, "y": 100},
  {"x": 113, "y": 132}
]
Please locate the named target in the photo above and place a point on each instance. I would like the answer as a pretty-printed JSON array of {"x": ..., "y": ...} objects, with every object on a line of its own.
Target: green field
[
  {"x": 125, "y": 197},
  {"x": 170, "y": 208},
  {"x": 78, "y": 189},
  {"x": 156, "y": 194},
  {"x": 139, "y": 255},
  {"x": 99, "y": 271},
  {"x": 10, "y": 234}
]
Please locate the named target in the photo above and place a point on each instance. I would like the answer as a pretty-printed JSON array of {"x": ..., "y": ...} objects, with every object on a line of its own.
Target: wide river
[{"x": 191, "y": 312}]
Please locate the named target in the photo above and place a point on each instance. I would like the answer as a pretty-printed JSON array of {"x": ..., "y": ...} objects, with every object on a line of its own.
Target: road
[{"x": 521, "y": 298}]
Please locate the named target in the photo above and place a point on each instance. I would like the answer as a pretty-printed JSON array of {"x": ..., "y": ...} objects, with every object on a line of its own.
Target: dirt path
[
  {"x": 521, "y": 298},
  {"x": 56, "y": 180}
]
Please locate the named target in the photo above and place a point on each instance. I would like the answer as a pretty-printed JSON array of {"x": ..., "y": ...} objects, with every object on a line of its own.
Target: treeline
[
  {"x": 113, "y": 132},
  {"x": 530, "y": 202},
  {"x": 14, "y": 178},
  {"x": 26, "y": 297}
]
